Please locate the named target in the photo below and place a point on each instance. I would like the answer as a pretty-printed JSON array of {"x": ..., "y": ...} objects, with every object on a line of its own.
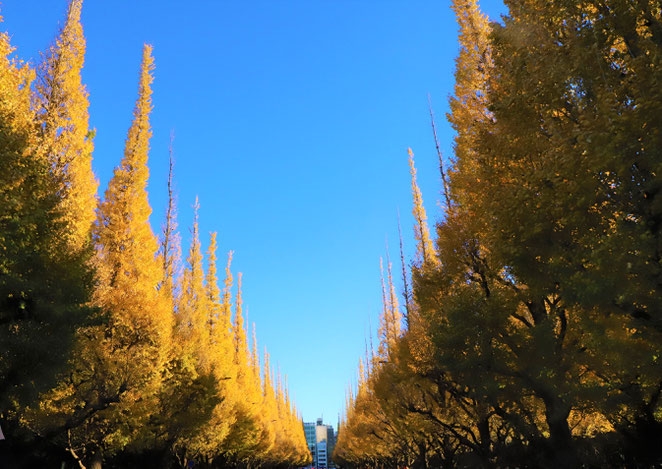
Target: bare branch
[{"x": 441, "y": 161}]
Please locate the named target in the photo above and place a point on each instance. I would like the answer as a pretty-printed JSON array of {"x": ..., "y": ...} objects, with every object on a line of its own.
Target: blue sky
[{"x": 292, "y": 121}]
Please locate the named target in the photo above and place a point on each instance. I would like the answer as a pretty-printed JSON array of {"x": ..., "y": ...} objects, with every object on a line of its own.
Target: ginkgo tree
[
  {"x": 533, "y": 328},
  {"x": 45, "y": 281},
  {"x": 113, "y": 354}
]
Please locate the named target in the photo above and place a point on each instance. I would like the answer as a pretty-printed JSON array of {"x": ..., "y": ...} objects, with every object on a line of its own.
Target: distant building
[
  {"x": 321, "y": 440},
  {"x": 322, "y": 457},
  {"x": 311, "y": 439},
  {"x": 330, "y": 443}
]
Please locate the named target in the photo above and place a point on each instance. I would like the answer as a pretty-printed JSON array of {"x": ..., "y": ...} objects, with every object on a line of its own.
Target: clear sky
[{"x": 292, "y": 121}]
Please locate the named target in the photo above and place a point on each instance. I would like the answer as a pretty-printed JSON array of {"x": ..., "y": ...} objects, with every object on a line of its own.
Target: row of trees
[
  {"x": 534, "y": 320},
  {"x": 111, "y": 349}
]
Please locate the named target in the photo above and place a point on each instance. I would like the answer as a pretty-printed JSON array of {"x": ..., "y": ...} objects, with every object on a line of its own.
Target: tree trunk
[
  {"x": 560, "y": 437},
  {"x": 485, "y": 444},
  {"x": 166, "y": 459},
  {"x": 422, "y": 456},
  {"x": 96, "y": 461}
]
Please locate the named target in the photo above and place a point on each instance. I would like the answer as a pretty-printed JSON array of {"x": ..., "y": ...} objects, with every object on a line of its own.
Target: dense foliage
[
  {"x": 534, "y": 325},
  {"x": 110, "y": 353}
]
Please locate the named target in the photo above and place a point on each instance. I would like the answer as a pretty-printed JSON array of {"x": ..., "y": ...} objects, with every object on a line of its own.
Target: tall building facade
[
  {"x": 321, "y": 440},
  {"x": 311, "y": 440}
]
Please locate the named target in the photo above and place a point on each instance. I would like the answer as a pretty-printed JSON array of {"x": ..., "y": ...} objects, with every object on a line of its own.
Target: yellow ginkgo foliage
[
  {"x": 64, "y": 137},
  {"x": 136, "y": 338}
]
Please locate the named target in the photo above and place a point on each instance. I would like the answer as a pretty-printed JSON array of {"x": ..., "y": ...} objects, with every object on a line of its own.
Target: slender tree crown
[
  {"x": 65, "y": 140},
  {"x": 425, "y": 254},
  {"x": 395, "y": 315},
  {"x": 126, "y": 246},
  {"x": 211, "y": 282},
  {"x": 194, "y": 306},
  {"x": 170, "y": 246},
  {"x": 125, "y": 211},
  {"x": 239, "y": 334}
]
